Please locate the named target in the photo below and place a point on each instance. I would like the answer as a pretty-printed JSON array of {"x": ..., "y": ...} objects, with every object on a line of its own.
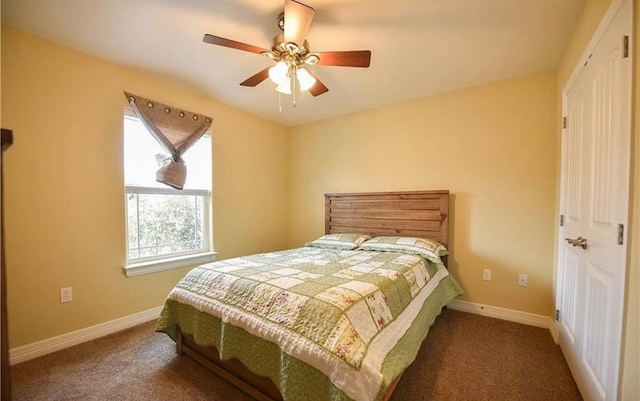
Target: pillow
[
  {"x": 426, "y": 248},
  {"x": 339, "y": 241}
]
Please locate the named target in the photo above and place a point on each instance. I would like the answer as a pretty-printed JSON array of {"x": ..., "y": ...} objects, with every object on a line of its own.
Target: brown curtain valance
[{"x": 175, "y": 129}]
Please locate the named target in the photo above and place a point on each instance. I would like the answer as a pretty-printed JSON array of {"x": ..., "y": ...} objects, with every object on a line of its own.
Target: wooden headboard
[{"x": 422, "y": 214}]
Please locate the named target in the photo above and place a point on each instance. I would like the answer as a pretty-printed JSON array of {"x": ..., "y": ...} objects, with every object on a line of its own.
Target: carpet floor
[{"x": 465, "y": 357}]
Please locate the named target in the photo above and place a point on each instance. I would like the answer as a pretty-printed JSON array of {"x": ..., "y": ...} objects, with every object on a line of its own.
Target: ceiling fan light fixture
[
  {"x": 278, "y": 73},
  {"x": 284, "y": 87},
  {"x": 305, "y": 79}
]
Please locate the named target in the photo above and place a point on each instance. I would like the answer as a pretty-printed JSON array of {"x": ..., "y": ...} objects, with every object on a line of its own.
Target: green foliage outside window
[{"x": 162, "y": 224}]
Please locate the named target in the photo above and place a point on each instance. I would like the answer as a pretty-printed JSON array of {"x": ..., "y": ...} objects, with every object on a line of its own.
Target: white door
[{"x": 594, "y": 208}]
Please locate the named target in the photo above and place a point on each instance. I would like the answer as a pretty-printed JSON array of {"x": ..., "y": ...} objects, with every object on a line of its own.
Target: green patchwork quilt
[{"x": 340, "y": 313}]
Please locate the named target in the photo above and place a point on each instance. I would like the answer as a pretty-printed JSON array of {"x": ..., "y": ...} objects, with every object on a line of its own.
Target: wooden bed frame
[
  {"x": 415, "y": 213},
  {"x": 410, "y": 214}
]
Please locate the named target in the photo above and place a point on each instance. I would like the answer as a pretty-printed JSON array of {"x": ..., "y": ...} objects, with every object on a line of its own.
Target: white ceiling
[{"x": 419, "y": 47}]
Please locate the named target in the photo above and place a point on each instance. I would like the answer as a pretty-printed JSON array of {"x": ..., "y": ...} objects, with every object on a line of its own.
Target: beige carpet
[{"x": 465, "y": 357}]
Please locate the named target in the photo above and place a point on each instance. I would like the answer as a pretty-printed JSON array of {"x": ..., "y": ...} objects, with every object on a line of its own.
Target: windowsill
[{"x": 154, "y": 266}]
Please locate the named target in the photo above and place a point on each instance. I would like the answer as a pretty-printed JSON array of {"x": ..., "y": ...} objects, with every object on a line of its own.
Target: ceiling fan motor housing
[{"x": 290, "y": 52}]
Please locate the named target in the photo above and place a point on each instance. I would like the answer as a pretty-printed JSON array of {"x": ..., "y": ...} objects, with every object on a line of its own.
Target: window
[{"x": 166, "y": 228}]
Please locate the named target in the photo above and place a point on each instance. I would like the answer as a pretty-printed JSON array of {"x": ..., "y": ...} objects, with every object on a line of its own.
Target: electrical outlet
[
  {"x": 66, "y": 295},
  {"x": 486, "y": 274},
  {"x": 523, "y": 280}
]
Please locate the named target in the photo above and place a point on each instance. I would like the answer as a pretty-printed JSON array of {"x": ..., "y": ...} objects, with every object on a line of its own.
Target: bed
[{"x": 375, "y": 307}]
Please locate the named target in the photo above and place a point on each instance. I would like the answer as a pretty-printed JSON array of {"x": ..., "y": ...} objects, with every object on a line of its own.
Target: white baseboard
[
  {"x": 511, "y": 315},
  {"x": 40, "y": 348}
]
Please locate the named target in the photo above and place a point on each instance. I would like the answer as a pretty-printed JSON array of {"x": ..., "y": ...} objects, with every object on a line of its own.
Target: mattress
[{"x": 322, "y": 324}]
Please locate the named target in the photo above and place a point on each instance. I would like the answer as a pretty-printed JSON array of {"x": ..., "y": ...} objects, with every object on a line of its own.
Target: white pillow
[
  {"x": 339, "y": 241},
  {"x": 426, "y": 248}
]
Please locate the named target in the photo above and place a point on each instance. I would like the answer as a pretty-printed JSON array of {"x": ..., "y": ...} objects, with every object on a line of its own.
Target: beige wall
[
  {"x": 64, "y": 199},
  {"x": 592, "y": 15},
  {"x": 492, "y": 146}
]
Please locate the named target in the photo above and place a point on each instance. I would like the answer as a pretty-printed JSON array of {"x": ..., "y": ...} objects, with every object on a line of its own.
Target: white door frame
[{"x": 578, "y": 68}]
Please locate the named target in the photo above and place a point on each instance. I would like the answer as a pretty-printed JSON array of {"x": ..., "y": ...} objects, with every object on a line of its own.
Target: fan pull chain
[
  {"x": 279, "y": 103},
  {"x": 293, "y": 84}
]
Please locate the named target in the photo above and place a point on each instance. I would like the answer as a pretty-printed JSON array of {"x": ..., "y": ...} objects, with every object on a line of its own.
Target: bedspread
[{"x": 339, "y": 311}]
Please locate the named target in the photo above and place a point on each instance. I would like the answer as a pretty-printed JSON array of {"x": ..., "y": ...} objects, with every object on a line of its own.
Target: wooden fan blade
[
  {"x": 297, "y": 20},
  {"x": 354, "y": 58},
  {"x": 217, "y": 40},
  {"x": 256, "y": 78},
  {"x": 318, "y": 88}
]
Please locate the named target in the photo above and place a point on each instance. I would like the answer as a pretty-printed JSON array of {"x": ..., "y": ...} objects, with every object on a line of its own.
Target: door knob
[{"x": 581, "y": 242}]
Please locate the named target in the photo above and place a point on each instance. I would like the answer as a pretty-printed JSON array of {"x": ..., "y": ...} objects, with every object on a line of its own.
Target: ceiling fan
[{"x": 290, "y": 51}]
